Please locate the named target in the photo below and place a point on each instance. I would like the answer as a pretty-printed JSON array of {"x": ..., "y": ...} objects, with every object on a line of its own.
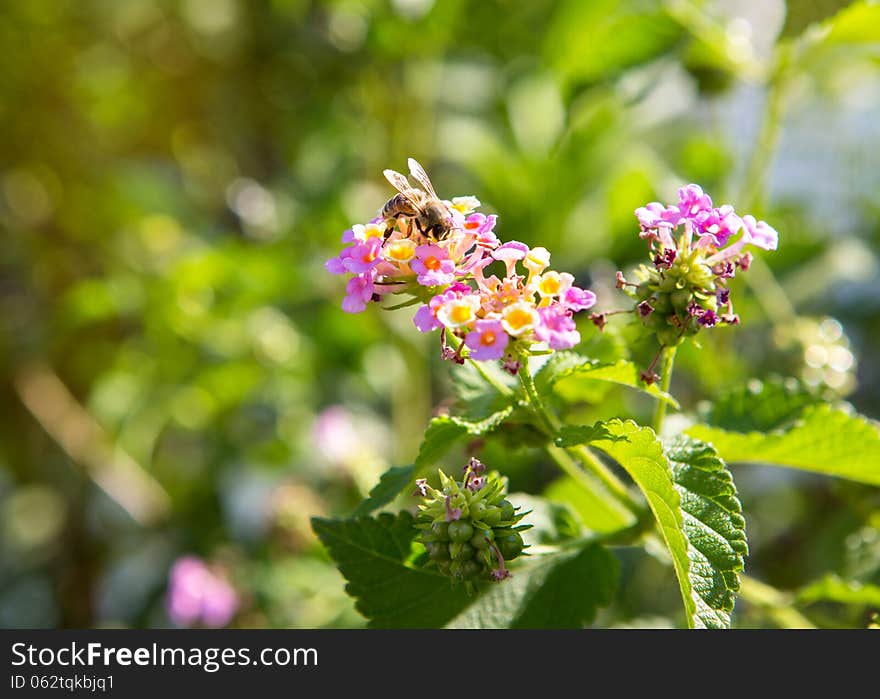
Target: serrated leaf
[
  {"x": 445, "y": 431},
  {"x": 832, "y": 588},
  {"x": 695, "y": 506},
  {"x": 372, "y": 555},
  {"x": 760, "y": 406},
  {"x": 557, "y": 590},
  {"x": 572, "y": 435},
  {"x": 570, "y": 365},
  {"x": 824, "y": 439},
  {"x": 561, "y": 588},
  {"x": 714, "y": 527},
  {"x": 390, "y": 484}
]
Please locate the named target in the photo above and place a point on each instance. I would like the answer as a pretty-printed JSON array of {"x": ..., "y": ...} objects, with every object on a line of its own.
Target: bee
[{"x": 430, "y": 215}]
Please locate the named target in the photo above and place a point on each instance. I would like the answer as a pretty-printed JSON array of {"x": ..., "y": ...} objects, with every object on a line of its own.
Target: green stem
[
  {"x": 548, "y": 421},
  {"x": 588, "y": 458},
  {"x": 769, "y": 292},
  {"x": 765, "y": 145},
  {"x": 667, "y": 361},
  {"x": 777, "y": 605}
]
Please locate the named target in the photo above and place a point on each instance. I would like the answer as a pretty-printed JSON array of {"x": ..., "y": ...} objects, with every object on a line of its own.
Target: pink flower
[
  {"x": 487, "y": 341},
  {"x": 760, "y": 233},
  {"x": 557, "y": 328},
  {"x": 358, "y": 293},
  {"x": 433, "y": 266},
  {"x": 510, "y": 253},
  {"x": 196, "y": 595},
  {"x": 336, "y": 265},
  {"x": 577, "y": 299},
  {"x": 425, "y": 318},
  {"x": 482, "y": 227},
  {"x": 362, "y": 257},
  {"x": 716, "y": 226},
  {"x": 692, "y": 200}
]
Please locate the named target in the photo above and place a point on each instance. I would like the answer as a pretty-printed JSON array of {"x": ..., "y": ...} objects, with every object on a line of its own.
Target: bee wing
[
  {"x": 401, "y": 184},
  {"x": 419, "y": 174}
]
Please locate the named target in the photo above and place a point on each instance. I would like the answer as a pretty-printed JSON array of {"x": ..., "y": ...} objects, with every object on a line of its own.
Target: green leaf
[
  {"x": 556, "y": 590},
  {"x": 445, "y": 431},
  {"x": 587, "y": 41},
  {"x": 392, "y": 482},
  {"x": 760, "y": 406},
  {"x": 373, "y": 555},
  {"x": 714, "y": 527},
  {"x": 694, "y": 503},
  {"x": 857, "y": 24},
  {"x": 832, "y": 588},
  {"x": 572, "y": 435},
  {"x": 551, "y": 522},
  {"x": 478, "y": 399},
  {"x": 560, "y": 588},
  {"x": 565, "y": 365},
  {"x": 824, "y": 439},
  {"x": 593, "y": 510}
]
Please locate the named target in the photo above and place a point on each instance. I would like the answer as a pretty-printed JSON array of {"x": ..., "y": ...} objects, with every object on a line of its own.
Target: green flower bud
[
  {"x": 460, "y": 530},
  {"x": 662, "y": 305},
  {"x": 461, "y": 551},
  {"x": 477, "y": 510},
  {"x": 482, "y": 538},
  {"x": 493, "y": 515},
  {"x": 681, "y": 298},
  {"x": 441, "y": 531},
  {"x": 507, "y": 510},
  {"x": 510, "y": 544},
  {"x": 437, "y": 550}
]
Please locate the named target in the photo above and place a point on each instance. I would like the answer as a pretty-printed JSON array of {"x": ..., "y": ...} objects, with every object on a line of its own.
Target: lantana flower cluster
[
  {"x": 494, "y": 316},
  {"x": 696, "y": 248},
  {"x": 469, "y": 529}
]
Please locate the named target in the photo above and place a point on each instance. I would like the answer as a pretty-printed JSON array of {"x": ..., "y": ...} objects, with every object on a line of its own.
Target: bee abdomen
[{"x": 398, "y": 205}]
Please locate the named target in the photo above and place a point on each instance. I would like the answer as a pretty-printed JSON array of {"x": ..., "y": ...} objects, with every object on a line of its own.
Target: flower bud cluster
[
  {"x": 469, "y": 529},
  {"x": 696, "y": 248}
]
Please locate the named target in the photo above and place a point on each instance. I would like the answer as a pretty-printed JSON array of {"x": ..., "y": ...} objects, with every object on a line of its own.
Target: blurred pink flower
[{"x": 197, "y": 596}]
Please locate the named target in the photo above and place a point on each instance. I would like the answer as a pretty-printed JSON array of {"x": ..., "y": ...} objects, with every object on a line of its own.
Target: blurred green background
[{"x": 176, "y": 375}]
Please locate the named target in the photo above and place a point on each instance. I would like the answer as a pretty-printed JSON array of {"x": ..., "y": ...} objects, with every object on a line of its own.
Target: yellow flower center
[
  {"x": 519, "y": 318},
  {"x": 461, "y": 314},
  {"x": 550, "y": 284},
  {"x": 400, "y": 251},
  {"x": 487, "y": 338},
  {"x": 372, "y": 230}
]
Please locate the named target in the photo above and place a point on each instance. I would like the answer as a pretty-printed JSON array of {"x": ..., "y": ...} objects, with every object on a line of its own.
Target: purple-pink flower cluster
[
  {"x": 695, "y": 249},
  {"x": 704, "y": 227},
  {"x": 498, "y": 299}
]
